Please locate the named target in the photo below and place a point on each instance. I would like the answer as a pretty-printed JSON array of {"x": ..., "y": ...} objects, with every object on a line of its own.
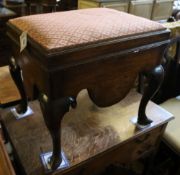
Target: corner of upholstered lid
[{"x": 71, "y": 29}]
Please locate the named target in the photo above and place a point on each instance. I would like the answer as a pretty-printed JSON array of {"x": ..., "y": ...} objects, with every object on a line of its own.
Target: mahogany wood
[
  {"x": 171, "y": 85},
  {"x": 16, "y": 75},
  {"x": 109, "y": 66},
  {"x": 155, "y": 78},
  {"x": 55, "y": 109}
]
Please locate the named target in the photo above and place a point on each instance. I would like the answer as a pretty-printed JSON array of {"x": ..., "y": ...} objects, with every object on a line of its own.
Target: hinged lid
[{"x": 66, "y": 30}]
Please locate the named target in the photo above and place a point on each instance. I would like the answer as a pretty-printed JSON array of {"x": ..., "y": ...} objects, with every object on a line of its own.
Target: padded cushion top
[
  {"x": 63, "y": 30},
  {"x": 172, "y": 132}
]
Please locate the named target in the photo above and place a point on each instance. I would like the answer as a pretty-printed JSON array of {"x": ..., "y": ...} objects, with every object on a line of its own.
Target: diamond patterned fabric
[{"x": 64, "y": 30}]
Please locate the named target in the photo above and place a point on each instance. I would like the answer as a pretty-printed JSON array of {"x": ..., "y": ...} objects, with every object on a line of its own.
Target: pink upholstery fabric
[{"x": 62, "y": 30}]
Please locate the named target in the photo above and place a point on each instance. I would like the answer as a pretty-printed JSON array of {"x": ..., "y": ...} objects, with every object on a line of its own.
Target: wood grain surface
[
  {"x": 89, "y": 134},
  {"x": 5, "y": 164},
  {"x": 8, "y": 90}
]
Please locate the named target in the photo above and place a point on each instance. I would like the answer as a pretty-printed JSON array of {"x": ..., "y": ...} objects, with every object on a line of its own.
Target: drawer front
[
  {"x": 141, "y": 8},
  {"x": 121, "y": 6},
  {"x": 83, "y": 4},
  {"x": 146, "y": 143},
  {"x": 117, "y": 6},
  {"x": 162, "y": 9}
]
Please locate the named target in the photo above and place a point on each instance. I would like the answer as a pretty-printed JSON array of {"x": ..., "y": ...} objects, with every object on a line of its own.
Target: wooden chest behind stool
[
  {"x": 122, "y": 5},
  {"x": 101, "y": 50},
  {"x": 92, "y": 137}
]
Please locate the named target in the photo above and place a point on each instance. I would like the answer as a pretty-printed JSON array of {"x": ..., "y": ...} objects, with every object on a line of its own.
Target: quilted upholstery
[{"x": 62, "y": 30}]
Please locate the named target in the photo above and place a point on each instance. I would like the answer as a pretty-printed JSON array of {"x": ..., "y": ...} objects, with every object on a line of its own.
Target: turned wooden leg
[
  {"x": 53, "y": 112},
  {"x": 155, "y": 78},
  {"x": 16, "y": 76}
]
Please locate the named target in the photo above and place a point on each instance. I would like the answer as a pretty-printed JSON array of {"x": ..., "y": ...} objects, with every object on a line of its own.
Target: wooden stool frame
[{"x": 107, "y": 70}]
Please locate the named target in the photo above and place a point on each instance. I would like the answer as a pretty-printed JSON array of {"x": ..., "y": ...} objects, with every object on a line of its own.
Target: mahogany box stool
[{"x": 101, "y": 50}]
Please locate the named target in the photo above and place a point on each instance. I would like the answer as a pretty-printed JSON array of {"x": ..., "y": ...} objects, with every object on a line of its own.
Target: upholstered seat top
[{"x": 63, "y": 30}]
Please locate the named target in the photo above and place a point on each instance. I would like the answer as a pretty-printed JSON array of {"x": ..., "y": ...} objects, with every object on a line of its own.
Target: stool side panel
[
  {"x": 97, "y": 75},
  {"x": 115, "y": 75}
]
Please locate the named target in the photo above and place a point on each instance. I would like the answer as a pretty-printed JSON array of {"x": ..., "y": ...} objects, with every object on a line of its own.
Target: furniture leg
[
  {"x": 155, "y": 78},
  {"x": 15, "y": 72},
  {"x": 53, "y": 112}
]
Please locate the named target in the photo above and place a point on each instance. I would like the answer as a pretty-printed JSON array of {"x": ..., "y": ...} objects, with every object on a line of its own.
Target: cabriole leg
[
  {"x": 16, "y": 76},
  {"x": 53, "y": 112},
  {"x": 155, "y": 78}
]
